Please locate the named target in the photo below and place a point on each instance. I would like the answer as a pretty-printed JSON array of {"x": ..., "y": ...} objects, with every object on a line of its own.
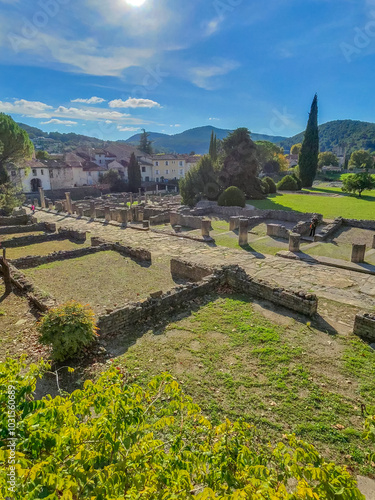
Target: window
[
  {"x": 173, "y": 162},
  {"x": 181, "y": 164},
  {"x": 51, "y": 173},
  {"x": 167, "y": 172},
  {"x": 34, "y": 171},
  {"x": 167, "y": 163},
  {"x": 42, "y": 172},
  {"x": 181, "y": 171},
  {"x": 143, "y": 169},
  {"x": 156, "y": 164},
  {"x": 157, "y": 179},
  {"x": 157, "y": 172},
  {"x": 13, "y": 173},
  {"x": 89, "y": 174}
]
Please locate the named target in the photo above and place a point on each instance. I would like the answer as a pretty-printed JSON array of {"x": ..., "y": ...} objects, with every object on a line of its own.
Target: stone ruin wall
[{"x": 364, "y": 326}]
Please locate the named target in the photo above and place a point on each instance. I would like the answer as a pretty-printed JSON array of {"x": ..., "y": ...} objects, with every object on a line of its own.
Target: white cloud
[
  {"x": 213, "y": 26},
  {"x": 127, "y": 129},
  {"x": 92, "y": 100},
  {"x": 36, "y": 109},
  {"x": 214, "y": 119},
  {"x": 176, "y": 125},
  {"x": 134, "y": 103},
  {"x": 201, "y": 75},
  {"x": 67, "y": 123}
]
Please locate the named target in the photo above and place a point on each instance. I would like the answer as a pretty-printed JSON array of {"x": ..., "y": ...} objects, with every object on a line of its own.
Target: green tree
[
  {"x": 213, "y": 147},
  {"x": 115, "y": 439},
  {"x": 308, "y": 158},
  {"x": 115, "y": 181},
  {"x": 240, "y": 164},
  {"x": 42, "y": 155},
  {"x": 296, "y": 149},
  {"x": 200, "y": 182},
  {"x": 361, "y": 159},
  {"x": 134, "y": 174},
  {"x": 357, "y": 183},
  {"x": 267, "y": 151},
  {"x": 145, "y": 145},
  {"x": 15, "y": 144},
  {"x": 327, "y": 159}
]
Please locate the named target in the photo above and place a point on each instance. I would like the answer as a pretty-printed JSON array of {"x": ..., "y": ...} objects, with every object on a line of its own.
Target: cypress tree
[
  {"x": 134, "y": 174},
  {"x": 308, "y": 158},
  {"x": 145, "y": 145},
  {"x": 213, "y": 147}
]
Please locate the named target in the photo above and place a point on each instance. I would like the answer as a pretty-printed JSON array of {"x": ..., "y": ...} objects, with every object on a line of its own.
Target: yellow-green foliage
[
  {"x": 67, "y": 328},
  {"x": 115, "y": 440}
]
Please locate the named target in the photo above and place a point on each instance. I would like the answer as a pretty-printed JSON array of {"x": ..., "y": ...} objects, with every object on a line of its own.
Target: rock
[{"x": 156, "y": 295}]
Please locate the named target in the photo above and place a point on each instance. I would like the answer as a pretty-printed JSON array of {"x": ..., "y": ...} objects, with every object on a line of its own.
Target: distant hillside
[
  {"x": 195, "y": 139},
  {"x": 63, "y": 142},
  {"x": 346, "y": 134}
]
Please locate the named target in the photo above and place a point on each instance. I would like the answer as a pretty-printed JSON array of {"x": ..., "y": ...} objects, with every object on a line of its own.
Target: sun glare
[{"x": 135, "y": 3}]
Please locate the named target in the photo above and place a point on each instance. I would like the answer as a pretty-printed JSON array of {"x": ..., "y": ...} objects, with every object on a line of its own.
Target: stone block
[
  {"x": 206, "y": 226},
  {"x": 358, "y": 252},
  {"x": 294, "y": 242},
  {"x": 234, "y": 223},
  {"x": 243, "y": 232}
]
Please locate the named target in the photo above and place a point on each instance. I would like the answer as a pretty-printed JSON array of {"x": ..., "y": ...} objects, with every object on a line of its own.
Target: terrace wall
[{"x": 364, "y": 326}]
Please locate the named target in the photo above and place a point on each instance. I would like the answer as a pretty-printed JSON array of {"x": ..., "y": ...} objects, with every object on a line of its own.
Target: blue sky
[{"x": 108, "y": 68}]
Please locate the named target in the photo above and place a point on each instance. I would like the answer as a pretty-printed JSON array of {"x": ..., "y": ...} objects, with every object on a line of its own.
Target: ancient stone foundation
[
  {"x": 358, "y": 253},
  {"x": 364, "y": 326}
]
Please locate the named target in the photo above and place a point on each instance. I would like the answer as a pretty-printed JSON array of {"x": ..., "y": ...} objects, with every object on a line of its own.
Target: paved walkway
[{"x": 343, "y": 286}]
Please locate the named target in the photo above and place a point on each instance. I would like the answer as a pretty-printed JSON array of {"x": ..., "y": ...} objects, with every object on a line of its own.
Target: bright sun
[{"x": 135, "y": 3}]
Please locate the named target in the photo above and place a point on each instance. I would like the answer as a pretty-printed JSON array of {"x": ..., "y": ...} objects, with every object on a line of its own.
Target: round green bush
[
  {"x": 287, "y": 183},
  {"x": 232, "y": 197},
  {"x": 265, "y": 187},
  {"x": 271, "y": 185},
  {"x": 298, "y": 181},
  {"x": 67, "y": 328}
]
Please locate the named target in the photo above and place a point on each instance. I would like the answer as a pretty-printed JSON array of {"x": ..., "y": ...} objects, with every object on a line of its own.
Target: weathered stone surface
[
  {"x": 364, "y": 326},
  {"x": 294, "y": 242},
  {"x": 358, "y": 252},
  {"x": 243, "y": 232},
  {"x": 277, "y": 231},
  {"x": 234, "y": 223},
  {"x": 206, "y": 227}
]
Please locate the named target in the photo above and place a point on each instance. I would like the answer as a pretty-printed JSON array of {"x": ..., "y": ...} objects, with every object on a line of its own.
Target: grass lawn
[
  {"x": 284, "y": 378},
  {"x": 44, "y": 248},
  {"x": 349, "y": 207},
  {"x": 6, "y": 237},
  {"x": 103, "y": 280}
]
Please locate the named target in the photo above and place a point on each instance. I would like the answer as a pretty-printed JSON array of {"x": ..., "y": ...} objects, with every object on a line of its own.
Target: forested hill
[
  {"x": 195, "y": 139},
  {"x": 347, "y": 134},
  {"x": 68, "y": 141}
]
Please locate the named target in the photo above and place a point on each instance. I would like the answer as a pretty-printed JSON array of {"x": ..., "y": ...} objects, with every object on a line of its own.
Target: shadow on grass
[{"x": 120, "y": 344}]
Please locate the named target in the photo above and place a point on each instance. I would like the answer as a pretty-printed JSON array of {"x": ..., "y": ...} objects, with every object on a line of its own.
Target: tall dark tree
[
  {"x": 240, "y": 164},
  {"x": 213, "y": 147},
  {"x": 134, "y": 174},
  {"x": 200, "y": 182},
  {"x": 145, "y": 145},
  {"x": 308, "y": 158}
]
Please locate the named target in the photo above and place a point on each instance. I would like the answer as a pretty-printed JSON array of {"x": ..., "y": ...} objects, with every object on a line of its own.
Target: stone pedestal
[
  {"x": 243, "y": 232},
  {"x": 173, "y": 218},
  {"x": 294, "y": 242},
  {"x": 123, "y": 216},
  {"x": 92, "y": 210},
  {"x": 107, "y": 213},
  {"x": 358, "y": 252},
  {"x": 206, "y": 227},
  {"x": 178, "y": 228},
  {"x": 79, "y": 211},
  {"x": 69, "y": 208},
  {"x": 234, "y": 223},
  {"x": 50, "y": 205},
  {"x": 113, "y": 213},
  {"x": 74, "y": 207},
  {"x": 373, "y": 242},
  {"x": 42, "y": 199}
]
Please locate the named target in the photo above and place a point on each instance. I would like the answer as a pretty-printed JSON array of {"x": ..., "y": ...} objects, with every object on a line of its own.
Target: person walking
[
  {"x": 313, "y": 225},
  {"x": 33, "y": 209}
]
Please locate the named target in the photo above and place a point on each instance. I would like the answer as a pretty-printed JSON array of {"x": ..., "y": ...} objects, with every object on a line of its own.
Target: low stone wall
[
  {"x": 364, "y": 326},
  {"x": 162, "y": 218},
  {"x": 33, "y": 239},
  {"x": 186, "y": 220},
  {"x": 15, "y": 220},
  {"x": 30, "y": 228},
  {"x": 300, "y": 302},
  {"x": 187, "y": 270},
  {"x": 277, "y": 231},
  {"x": 363, "y": 224},
  {"x": 207, "y": 207},
  {"x": 79, "y": 236},
  {"x": 329, "y": 230},
  {"x": 302, "y": 227},
  {"x": 121, "y": 320},
  {"x": 38, "y": 260},
  {"x": 39, "y": 298},
  {"x": 139, "y": 254}
]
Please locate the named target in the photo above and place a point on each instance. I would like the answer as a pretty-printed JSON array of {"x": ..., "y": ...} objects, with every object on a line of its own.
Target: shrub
[
  {"x": 232, "y": 197},
  {"x": 287, "y": 183},
  {"x": 154, "y": 443},
  {"x": 298, "y": 181},
  {"x": 67, "y": 328},
  {"x": 271, "y": 184},
  {"x": 265, "y": 187}
]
